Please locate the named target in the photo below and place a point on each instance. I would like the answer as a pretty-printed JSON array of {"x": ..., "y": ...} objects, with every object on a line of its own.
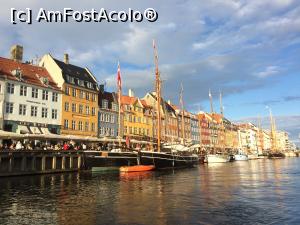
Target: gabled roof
[
  {"x": 111, "y": 97},
  {"x": 127, "y": 100},
  {"x": 78, "y": 73},
  {"x": 30, "y": 74}
]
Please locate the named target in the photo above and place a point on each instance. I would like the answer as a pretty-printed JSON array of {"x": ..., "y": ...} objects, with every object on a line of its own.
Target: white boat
[
  {"x": 217, "y": 158},
  {"x": 240, "y": 157}
]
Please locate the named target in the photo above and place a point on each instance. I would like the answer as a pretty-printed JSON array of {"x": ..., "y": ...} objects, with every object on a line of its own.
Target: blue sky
[{"x": 248, "y": 49}]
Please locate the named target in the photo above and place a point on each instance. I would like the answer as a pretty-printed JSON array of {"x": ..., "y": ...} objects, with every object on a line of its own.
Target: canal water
[{"x": 254, "y": 192}]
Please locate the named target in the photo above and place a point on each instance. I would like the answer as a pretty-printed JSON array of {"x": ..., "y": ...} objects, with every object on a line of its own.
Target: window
[
  {"x": 44, "y": 112},
  {"x": 87, "y": 96},
  {"x": 104, "y": 104},
  {"x": 67, "y": 106},
  {"x": 112, "y": 119},
  {"x": 93, "y": 97},
  {"x": 80, "y": 109},
  {"x": 22, "y": 109},
  {"x": 101, "y": 117},
  {"x": 73, "y": 125},
  {"x": 10, "y": 88},
  {"x": 74, "y": 92},
  {"x": 80, "y": 125},
  {"x": 112, "y": 132},
  {"x": 107, "y": 118},
  {"x": 9, "y": 107},
  {"x": 86, "y": 126},
  {"x": 45, "y": 95},
  {"x": 114, "y": 106},
  {"x": 23, "y": 90},
  {"x": 67, "y": 90},
  {"x": 125, "y": 129},
  {"x": 66, "y": 124},
  {"x": 81, "y": 83},
  {"x": 54, "y": 114},
  {"x": 33, "y": 111},
  {"x": 87, "y": 110},
  {"x": 90, "y": 85},
  {"x": 73, "y": 107},
  {"x": 93, "y": 126},
  {"x": 135, "y": 130},
  {"x": 93, "y": 111},
  {"x": 54, "y": 97},
  {"x": 81, "y": 94},
  {"x": 35, "y": 93}
]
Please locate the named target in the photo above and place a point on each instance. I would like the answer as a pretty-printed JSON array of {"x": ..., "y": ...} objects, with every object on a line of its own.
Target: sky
[{"x": 248, "y": 49}]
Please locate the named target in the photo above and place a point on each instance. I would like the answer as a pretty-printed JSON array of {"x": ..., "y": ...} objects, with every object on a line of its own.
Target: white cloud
[{"x": 269, "y": 71}]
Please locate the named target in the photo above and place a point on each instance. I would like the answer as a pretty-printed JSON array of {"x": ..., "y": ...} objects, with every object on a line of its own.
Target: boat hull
[
  {"x": 96, "y": 160},
  {"x": 240, "y": 157},
  {"x": 137, "y": 168},
  {"x": 217, "y": 158},
  {"x": 163, "y": 160}
]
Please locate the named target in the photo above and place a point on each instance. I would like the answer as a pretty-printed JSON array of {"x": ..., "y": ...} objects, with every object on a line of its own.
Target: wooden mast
[
  {"x": 157, "y": 88},
  {"x": 182, "y": 115},
  {"x": 120, "y": 103}
]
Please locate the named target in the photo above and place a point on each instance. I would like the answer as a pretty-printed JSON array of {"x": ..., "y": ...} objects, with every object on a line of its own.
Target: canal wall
[{"x": 13, "y": 163}]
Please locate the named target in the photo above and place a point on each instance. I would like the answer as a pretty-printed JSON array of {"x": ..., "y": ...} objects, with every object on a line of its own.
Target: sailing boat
[
  {"x": 274, "y": 154},
  {"x": 216, "y": 157},
  {"x": 171, "y": 156}
]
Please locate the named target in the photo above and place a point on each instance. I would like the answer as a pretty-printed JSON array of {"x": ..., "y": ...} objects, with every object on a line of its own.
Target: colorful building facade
[
  {"x": 80, "y": 96},
  {"x": 30, "y": 99}
]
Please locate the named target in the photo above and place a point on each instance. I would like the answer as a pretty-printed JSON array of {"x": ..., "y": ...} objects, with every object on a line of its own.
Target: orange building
[{"x": 80, "y": 96}]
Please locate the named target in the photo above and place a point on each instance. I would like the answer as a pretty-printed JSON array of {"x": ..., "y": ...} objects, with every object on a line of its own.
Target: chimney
[
  {"x": 101, "y": 87},
  {"x": 16, "y": 53},
  {"x": 130, "y": 93},
  {"x": 66, "y": 58}
]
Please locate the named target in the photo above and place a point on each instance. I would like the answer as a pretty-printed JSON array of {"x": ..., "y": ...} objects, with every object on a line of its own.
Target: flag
[
  {"x": 181, "y": 95},
  {"x": 119, "y": 81}
]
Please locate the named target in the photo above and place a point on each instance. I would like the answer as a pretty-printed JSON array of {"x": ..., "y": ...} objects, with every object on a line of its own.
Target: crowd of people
[
  {"x": 67, "y": 145},
  {"x": 40, "y": 145}
]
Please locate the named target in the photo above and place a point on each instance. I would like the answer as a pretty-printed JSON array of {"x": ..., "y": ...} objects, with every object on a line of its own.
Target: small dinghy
[{"x": 137, "y": 168}]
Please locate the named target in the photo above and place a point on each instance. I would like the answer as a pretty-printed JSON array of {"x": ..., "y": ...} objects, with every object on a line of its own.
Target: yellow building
[
  {"x": 80, "y": 96},
  {"x": 138, "y": 123}
]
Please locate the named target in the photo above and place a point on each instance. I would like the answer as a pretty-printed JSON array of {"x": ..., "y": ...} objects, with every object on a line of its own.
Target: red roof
[
  {"x": 30, "y": 74},
  {"x": 128, "y": 100}
]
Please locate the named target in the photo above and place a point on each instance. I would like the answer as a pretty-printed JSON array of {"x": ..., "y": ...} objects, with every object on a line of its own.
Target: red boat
[{"x": 137, "y": 168}]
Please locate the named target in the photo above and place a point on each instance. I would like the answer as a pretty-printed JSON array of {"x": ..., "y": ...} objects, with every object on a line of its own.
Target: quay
[{"x": 13, "y": 163}]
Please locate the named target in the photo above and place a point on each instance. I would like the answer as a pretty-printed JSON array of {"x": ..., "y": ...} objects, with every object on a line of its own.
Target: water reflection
[{"x": 258, "y": 191}]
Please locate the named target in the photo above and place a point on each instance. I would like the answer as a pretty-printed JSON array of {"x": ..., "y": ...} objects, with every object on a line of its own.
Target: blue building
[
  {"x": 195, "y": 131},
  {"x": 108, "y": 114}
]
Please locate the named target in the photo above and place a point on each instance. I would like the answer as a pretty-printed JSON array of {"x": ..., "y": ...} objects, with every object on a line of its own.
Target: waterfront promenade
[{"x": 253, "y": 192}]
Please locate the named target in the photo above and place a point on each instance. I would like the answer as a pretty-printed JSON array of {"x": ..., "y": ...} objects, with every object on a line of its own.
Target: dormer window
[
  {"x": 89, "y": 85},
  {"x": 81, "y": 83},
  {"x": 72, "y": 80},
  {"x": 44, "y": 80},
  {"x": 104, "y": 104},
  {"x": 17, "y": 73}
]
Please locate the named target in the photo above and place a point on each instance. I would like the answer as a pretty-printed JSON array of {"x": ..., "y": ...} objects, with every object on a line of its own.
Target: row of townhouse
[
  {"x": 61, "y": 98},
  {"x": 52, "y": 97}
]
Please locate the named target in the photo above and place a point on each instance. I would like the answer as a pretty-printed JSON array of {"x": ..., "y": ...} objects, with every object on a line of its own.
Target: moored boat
[
  {"x": 217, "y": 158},
  {"x": 137, "y": 168},
  {"x": 240, "y": 157}
]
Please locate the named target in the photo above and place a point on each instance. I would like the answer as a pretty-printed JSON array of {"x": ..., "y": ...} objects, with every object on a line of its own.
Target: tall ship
[
  {"x": 213, "y": 156},
  {"x": 161, "y": 156}
]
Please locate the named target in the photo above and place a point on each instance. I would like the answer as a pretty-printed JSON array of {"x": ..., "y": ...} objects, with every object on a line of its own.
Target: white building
[
  {"x": 2, "y": 87},
  {"x": 31, "y": 101},
  {"x": 248, "y": 135}
]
